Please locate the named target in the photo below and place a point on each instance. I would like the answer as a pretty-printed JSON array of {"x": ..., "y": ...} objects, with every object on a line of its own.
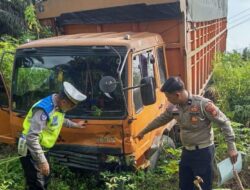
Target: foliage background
[{"x": 232, "y": 82}]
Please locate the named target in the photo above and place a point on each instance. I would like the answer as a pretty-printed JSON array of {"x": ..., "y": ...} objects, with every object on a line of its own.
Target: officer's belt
[{"x": 197, "y": 147}]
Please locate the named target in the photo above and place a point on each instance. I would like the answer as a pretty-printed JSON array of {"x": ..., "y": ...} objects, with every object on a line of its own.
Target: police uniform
[
  {"x": 197, "y": 137},
  {"x": 41, "y": 129}
]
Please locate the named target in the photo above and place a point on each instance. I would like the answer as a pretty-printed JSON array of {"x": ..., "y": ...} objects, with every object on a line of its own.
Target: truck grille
[{"x": 77, "y": 160}]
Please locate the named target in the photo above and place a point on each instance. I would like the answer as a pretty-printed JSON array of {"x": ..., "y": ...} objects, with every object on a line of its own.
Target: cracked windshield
[{"x": 40, "y": 71}]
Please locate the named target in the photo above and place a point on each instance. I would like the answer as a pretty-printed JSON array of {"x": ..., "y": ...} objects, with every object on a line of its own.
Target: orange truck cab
[
  {"x": 121, "y": 67},
  {"x": 121, "y": 74}
]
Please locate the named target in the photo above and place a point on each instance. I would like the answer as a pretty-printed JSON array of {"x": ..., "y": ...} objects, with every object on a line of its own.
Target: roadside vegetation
[
  {"x": 231, "y": 81},
  {"x": 231, "y": 85}
]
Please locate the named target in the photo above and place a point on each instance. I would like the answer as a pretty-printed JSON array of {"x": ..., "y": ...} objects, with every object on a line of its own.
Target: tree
[
  {"x": 12, "y": 20},
  {"x": 246, "y": 54}
]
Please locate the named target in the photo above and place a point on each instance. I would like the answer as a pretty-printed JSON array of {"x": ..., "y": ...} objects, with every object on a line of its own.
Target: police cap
[{"x": 72, "y": 93}]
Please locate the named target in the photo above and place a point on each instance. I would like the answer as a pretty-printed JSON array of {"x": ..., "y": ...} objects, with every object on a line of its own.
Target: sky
[{"x": 238, "y": 37}]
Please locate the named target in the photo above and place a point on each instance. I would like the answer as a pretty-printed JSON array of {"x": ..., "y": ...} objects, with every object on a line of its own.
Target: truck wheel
[
  {"x": 174, "y": 135},
  {"x": 154, "y": 159},
  {"x": 167, "y": 142}
]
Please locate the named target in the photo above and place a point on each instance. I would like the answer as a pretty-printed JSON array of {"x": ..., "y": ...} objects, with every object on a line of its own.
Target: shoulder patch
[
  {"x": 211, "y": 109},
  {"x": 194, "y": 108},
  {"x": 43, "y": 117}
]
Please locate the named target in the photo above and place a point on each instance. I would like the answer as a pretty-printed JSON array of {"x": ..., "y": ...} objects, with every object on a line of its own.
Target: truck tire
[
  {"x": 167, "y": 142},
  {"x": 174, "y": 135},
  {"x": 154, "y": 159}
]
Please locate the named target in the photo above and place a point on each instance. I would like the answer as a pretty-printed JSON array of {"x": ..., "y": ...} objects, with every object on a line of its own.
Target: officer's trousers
[
  {"x": 34, "y": 179},
  {"x": 194, "y": 163}
]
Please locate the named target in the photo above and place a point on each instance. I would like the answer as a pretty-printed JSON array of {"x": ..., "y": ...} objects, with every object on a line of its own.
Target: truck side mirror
[{"x": 148, "y": 91}]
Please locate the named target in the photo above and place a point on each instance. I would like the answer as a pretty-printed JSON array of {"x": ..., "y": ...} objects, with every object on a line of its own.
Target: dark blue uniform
[{"x": 196, "y": 163}]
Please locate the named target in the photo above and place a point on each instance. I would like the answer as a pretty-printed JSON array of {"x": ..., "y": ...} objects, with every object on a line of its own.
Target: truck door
[
  {"x": 5, "y": 130},
  {"x": 144, "y": 65}
]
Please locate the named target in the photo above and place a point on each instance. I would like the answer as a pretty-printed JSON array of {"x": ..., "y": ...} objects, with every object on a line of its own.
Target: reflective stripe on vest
[{"x": 50, "y": 133}]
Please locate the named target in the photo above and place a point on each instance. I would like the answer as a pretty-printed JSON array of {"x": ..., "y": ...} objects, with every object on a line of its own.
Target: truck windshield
[{"x": 40, "y": 72}]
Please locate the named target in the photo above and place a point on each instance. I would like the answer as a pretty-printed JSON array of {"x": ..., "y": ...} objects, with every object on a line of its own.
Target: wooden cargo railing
[{"x": 204, "y": 40}]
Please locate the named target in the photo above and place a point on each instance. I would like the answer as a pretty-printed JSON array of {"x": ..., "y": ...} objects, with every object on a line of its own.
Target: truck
[{"x": 119, "y": 54}]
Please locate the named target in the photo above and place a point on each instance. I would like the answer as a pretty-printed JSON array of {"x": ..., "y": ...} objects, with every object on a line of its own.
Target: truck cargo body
[
  {"x": 114, "y": 38},
  {"x": 192, "y": 31}
]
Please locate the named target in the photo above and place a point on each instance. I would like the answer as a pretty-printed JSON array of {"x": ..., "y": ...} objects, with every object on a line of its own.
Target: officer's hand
[
  {"x": 80, "y": 125},
  {"x": 44, "y": 168},
  {"x": 233, "y": 154}
]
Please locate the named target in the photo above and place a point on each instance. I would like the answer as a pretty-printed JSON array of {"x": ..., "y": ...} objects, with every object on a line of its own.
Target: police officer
[
  {"x": 41, "y": 128},
  {"x": 194, "y": 115}
]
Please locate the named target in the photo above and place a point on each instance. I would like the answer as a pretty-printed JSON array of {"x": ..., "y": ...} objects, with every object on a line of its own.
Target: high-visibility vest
[{"x": 50, "y": 133}]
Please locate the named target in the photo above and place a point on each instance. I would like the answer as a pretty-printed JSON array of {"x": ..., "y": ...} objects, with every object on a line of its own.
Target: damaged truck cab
[{"x": 121, "y": 74}]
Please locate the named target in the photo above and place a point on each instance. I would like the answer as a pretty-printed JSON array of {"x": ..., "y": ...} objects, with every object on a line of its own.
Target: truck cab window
[
  {"x": 161, "y": 64},
  {"x": 146, "y": 67},
  {"x": 142, "y": 67},
  {"x": 41, "y": 73},
  {"x": 137, "y": 76}
]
